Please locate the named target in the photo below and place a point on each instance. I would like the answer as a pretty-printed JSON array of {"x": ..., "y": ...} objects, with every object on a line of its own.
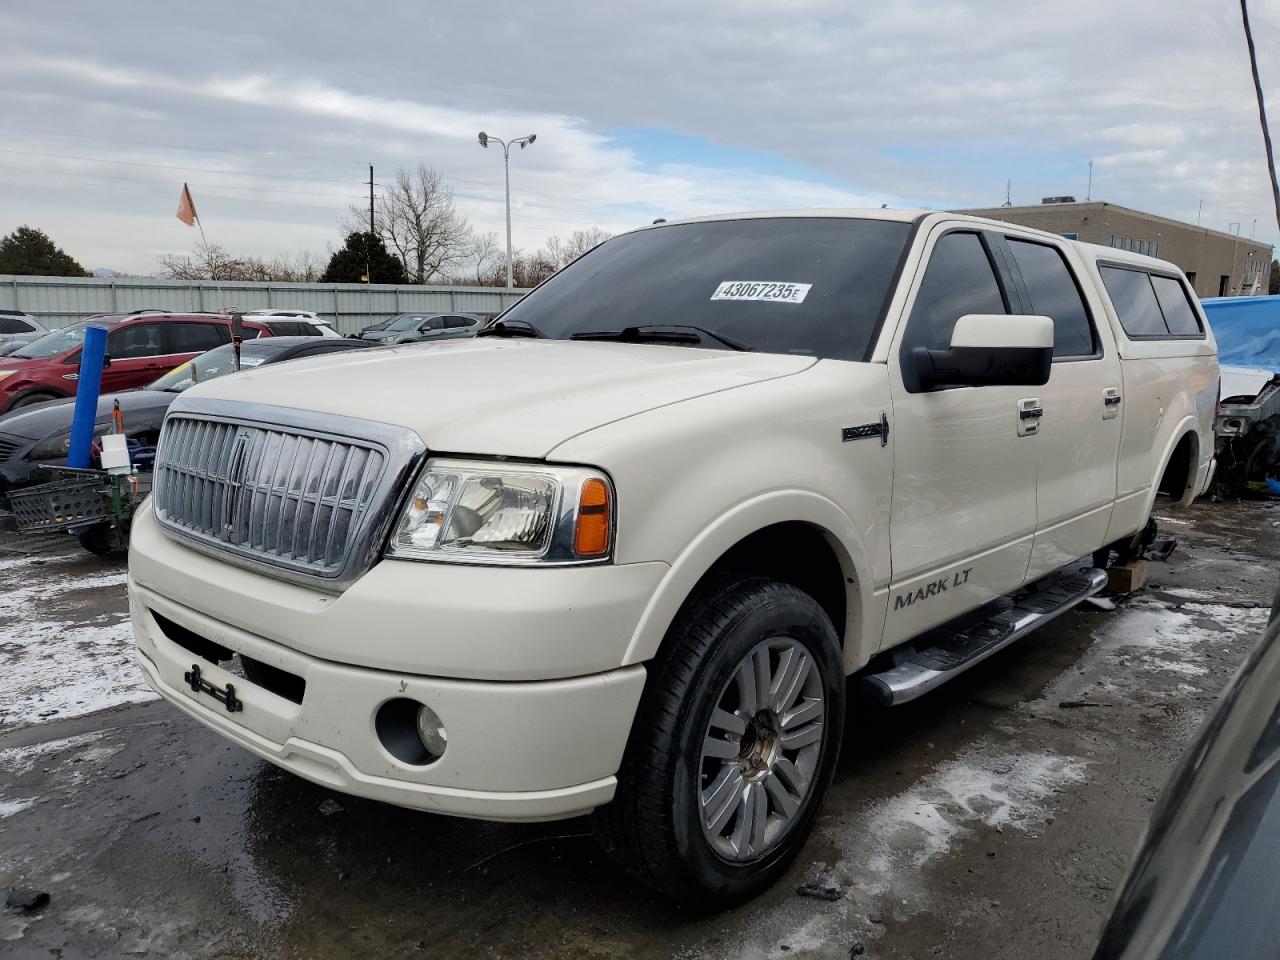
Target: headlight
[
  {"x": 475, "y": 511},
  {"x": 51, "y": 448}
]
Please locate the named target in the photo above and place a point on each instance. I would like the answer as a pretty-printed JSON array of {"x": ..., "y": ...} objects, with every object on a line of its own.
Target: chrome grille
[{"x": 304, "y": 501}]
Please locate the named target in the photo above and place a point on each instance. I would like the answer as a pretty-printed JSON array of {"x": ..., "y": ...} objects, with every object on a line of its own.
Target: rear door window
[
  {"x": 194, "y": 337},
  {"x": 1054, "y": 294},
  {"x": 1135, "y": 301},
  {"x": 1179, "y": 316},
  {"x": 456, "y": 323},
  {"x": 13, "y": 325}
]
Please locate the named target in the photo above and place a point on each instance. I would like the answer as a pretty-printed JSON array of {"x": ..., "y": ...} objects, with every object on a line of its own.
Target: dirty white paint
[{"x": 60, "y": 656}]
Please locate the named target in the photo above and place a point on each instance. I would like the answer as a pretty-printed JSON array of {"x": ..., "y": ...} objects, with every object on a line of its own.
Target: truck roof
[{"x": 909, "y": 214}]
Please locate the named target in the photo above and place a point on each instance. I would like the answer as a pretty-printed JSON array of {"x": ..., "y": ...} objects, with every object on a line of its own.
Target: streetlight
[{"x": 506, "y": 166}]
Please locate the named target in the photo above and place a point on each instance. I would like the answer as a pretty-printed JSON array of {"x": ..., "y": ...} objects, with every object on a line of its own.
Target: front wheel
[{"x": 734, "y": 745}]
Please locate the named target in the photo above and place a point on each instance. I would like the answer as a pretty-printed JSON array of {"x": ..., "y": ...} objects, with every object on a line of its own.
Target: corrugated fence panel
[{"x": 57, "y": 301}]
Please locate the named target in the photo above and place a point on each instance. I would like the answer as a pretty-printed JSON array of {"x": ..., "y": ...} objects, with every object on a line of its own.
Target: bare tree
[
  {"x": 417, "y": 218},
  {"x": 583, "y": 241},
  {"x": 212, "y": 262},
  {"x": 528, "y": 270},
  {"x": 482, "y": 251}
]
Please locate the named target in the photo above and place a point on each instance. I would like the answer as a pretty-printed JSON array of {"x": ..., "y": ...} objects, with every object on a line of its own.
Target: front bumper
[{"x": 516, "y": 751}]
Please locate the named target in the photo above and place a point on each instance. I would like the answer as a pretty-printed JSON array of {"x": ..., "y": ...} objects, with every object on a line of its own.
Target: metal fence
[{"x": 57, "y": 301}]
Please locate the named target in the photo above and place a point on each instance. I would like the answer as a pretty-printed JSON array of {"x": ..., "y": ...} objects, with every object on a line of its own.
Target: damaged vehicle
[
  {"x": 1247, "y": 429},
  {"x": 619, "y": 554}
]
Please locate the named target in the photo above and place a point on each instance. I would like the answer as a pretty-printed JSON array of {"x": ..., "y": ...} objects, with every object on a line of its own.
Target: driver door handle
[{"x": 1029, "y": 414}]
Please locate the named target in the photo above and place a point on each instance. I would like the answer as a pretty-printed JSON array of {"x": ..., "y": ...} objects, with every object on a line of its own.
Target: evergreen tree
[
  {"x": 29, "y": 252},
  {"x": 360, "y": 252}
]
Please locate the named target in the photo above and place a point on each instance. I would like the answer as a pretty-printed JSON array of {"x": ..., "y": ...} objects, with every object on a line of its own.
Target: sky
[{"x": 272, "y": 111}]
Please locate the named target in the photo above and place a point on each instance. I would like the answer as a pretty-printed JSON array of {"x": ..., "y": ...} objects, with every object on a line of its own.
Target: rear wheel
[{"x": 733, "y": 748}]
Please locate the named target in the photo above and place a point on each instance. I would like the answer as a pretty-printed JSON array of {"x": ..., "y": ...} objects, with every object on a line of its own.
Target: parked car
[
  {"x": 1203, "y": 885},
  {"x": 324, "y": 326},
  {"x": 693, "y": 481},
  {"x": 415, "y": 327},
  {"x": 139, "y": 348},
  {"x": 373, "y": 328},
  {"x": 18, "y": 328},
  {"x": 39, "y": 435}
]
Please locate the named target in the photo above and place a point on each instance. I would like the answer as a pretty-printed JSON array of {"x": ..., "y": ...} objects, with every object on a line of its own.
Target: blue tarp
[{"x": 1247, "y": 330}]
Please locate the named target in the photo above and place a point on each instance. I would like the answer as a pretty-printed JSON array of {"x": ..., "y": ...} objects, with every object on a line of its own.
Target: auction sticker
[{"x": 765, "y": 290}]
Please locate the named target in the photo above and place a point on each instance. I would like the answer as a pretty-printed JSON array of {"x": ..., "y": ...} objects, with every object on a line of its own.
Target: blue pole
[{"x": 89, "y": 384}]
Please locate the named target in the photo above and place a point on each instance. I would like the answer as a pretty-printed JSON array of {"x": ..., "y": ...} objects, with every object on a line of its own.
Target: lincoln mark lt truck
[{"x": 629, "y": 552}]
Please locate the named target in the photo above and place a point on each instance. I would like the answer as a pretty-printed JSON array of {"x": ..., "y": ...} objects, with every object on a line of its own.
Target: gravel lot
[{"x": 992, "y": 819}]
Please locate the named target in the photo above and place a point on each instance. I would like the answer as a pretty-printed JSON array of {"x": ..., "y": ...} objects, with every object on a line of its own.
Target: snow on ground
[
  {"x": 65, "y": 640},
  {"x": 884, "y": 847},
  {"x": 1148, "y": 634}
]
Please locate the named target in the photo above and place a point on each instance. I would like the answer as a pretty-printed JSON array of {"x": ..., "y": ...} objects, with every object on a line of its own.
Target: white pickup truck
[{"x": 620, "y": 553}]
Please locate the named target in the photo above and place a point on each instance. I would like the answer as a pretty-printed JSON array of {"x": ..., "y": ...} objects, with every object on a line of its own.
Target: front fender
[{"x": 739, "y": 522}]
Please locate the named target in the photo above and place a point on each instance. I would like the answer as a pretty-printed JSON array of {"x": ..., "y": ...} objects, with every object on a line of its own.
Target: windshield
[
  {"x": 405, "y": 322},
  {"x": 52, "y": 344},
  {"x": 813, "y": 286},
  {"x": 207, "y": 366}
]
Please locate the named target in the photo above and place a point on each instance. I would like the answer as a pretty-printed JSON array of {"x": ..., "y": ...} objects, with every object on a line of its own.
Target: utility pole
[
  {"x": 368, "y": 247},
  {"x": 1088, "y": 193},
  {"x": 1262, "y": 109},
  {"x": 1199, "y": 210}
]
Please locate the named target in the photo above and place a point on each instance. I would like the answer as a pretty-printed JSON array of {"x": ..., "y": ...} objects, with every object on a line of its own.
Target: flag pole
[{"x": 201, "y": 226}]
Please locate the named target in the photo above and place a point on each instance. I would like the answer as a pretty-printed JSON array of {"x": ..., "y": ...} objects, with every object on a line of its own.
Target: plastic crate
[{"x": 60, "y": 504}]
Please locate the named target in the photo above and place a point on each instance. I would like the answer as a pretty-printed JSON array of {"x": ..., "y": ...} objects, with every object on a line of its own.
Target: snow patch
[
  {"x": 55, "y": 667},
  {"x": 9, "y": 807},
  {"x": 19, "y": 760},
  {"x": 883, "y": 848},
  {"x": 914, "y": 828}
]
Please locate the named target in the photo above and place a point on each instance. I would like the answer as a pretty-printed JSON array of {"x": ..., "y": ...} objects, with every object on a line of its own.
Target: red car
[{"x": 140, "y": 347}]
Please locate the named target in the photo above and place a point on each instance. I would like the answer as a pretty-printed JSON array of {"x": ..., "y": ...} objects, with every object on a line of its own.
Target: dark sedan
[{"x": 41, "y": 434}]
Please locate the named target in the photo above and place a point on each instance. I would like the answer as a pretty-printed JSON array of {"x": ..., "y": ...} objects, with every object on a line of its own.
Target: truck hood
[
  {"x": 1244, "y": 381},
  {"x": 518, "y": 398}
]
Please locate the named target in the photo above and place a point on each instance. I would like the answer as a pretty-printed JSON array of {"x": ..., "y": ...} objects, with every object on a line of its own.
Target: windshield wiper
[
  {"x": 666, "y": 332},
  {"x": 511, "y": 328}
]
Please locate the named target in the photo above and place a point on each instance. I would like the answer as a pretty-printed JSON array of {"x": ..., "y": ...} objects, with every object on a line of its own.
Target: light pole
[{"x": 506, "y": 168}]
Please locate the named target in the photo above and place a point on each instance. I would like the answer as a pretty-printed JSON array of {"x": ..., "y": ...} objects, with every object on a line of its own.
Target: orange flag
[{"x": 187, "y": 207}]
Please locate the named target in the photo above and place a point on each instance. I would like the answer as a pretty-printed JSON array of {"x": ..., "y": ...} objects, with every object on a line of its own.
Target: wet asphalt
[{"x": 992, "y": 819}]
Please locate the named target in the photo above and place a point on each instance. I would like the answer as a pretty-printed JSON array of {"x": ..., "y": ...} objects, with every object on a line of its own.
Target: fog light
[
  {"x": 431, "y": 731},
  {"x": 410, "y": 731}
]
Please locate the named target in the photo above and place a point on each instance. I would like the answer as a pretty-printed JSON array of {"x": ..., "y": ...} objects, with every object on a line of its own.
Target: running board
[{"x": 945, "y": 652}]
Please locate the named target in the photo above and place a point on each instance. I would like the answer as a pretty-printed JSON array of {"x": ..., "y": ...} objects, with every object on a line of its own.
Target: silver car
[
  {"x": 414, "y": 327},
  {"x": 17, "y": 329}
]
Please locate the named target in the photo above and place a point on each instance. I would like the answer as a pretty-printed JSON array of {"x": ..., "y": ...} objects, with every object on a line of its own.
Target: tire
[
  {"x": 656, "y": 828},
  {"x": 30, "y": 398},
  {"x": 104, "y": 540}
]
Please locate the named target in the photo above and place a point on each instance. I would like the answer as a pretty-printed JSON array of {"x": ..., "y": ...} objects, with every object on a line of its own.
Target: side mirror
[
  {"x": 106, "y": 361},
  {"x": 990, "y": 349}
]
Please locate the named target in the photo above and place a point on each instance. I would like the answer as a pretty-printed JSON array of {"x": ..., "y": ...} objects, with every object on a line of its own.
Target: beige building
[{"x": 1218, "y": 264}]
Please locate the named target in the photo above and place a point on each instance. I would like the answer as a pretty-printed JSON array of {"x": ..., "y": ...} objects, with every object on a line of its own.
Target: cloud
[{"x": 273, "y": 112}]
